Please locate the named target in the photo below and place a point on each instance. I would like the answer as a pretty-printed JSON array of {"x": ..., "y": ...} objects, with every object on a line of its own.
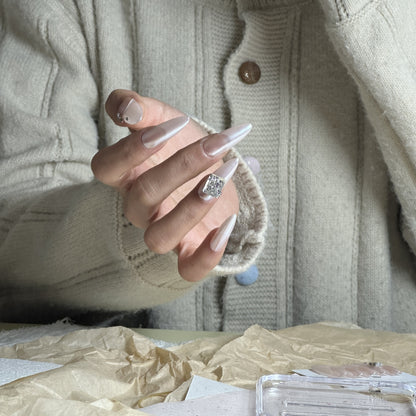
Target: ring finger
[
  {"x": 155, "y": 185},
  {"x": 165, "y": 233}
]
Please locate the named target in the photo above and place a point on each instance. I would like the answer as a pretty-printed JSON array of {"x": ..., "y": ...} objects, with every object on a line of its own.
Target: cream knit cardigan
[{"x": 336, "y": 142}]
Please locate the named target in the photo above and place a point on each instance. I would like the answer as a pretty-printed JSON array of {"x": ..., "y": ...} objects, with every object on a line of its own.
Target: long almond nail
[
  {"x": 221, "y": 142},
  {"x": 129, "y": 111},
  {"x": 223, "y": 234},
  {"x": 164, "y": 131},
  {"x": 212, "y": 187}
]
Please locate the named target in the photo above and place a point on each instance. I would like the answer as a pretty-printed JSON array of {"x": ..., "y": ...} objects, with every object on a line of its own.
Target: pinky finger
[{"x": 194, "y": 267}]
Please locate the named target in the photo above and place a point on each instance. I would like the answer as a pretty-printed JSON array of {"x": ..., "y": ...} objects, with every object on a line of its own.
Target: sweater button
[
  {"x": 248, "y": 277},
  {"x": 249, "y": 72}
]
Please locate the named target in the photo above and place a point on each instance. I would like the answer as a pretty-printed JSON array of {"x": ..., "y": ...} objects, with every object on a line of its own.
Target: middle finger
[
  {"x": 165, "y": 233},
  {"x": 110, "y": 163},
  {"x": 155, "y": 185}
]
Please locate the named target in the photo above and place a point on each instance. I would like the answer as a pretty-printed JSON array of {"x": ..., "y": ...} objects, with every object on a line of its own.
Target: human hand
[{"x": 160, "y": 169}]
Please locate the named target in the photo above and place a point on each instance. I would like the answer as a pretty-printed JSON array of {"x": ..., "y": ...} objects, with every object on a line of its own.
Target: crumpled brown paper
[{"x": 115, "y": 371}]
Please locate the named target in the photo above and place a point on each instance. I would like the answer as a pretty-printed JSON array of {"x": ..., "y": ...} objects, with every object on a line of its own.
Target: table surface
[{"x": 168, "y": 335}]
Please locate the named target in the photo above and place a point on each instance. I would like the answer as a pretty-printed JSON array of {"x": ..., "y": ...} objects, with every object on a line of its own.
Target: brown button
[{"x": 249, "y": 72}]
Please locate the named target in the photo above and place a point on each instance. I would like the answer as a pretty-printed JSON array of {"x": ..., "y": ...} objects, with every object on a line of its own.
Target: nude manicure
[
  {"x": 225, "y": 171},
  {"x": 223, "y": 234},
  {"x": 129, "y": 111},
  {"x": 221, "y": 142},
  {"x": 164, "y": 131}
]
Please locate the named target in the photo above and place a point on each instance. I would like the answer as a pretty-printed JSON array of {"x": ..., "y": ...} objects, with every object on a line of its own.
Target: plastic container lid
[{"x": 294, "y": 395}]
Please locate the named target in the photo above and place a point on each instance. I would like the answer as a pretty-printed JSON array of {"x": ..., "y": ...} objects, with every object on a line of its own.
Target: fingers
[
  {"x": 129, "y": 109},
  {"x": 196, "y": 265},
  {"x": 157, "y": 178},
  {"x": 110, "y": 163},
  {"x": 166, "y": 233},
  {"x": 156, "y": 184}
]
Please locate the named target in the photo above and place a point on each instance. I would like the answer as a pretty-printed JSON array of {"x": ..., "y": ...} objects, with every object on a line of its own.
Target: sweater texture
[{"x": 334, "y": 127}]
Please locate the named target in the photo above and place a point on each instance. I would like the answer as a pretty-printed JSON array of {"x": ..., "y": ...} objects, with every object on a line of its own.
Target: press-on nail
[
  {"x": 164, "y": 131},
  {"x": 223, "y": 234},
  {"x": 130, "y": 111},
  {"x": 221, "y": 142},
  {"x": 212, "y": 188},
  {"x": 227, "y": 170}
]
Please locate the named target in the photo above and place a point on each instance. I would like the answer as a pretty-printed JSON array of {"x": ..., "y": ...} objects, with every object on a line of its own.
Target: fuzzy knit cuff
[{"x": 247, "y": 239}]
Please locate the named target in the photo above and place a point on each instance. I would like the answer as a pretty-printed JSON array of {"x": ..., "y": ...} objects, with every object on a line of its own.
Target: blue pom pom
[{"x": 248, "y": 277}]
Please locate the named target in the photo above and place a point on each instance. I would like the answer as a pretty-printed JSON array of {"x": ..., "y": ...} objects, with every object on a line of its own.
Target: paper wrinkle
[{"x": 117, "y": 371}]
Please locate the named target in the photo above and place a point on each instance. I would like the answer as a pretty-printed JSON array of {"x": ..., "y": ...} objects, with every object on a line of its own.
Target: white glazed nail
[
  {"x": 253, "y": 164},
  {"x": 223, "y": 234},
  {"x": 129, "y": 111},
  {"x": 164, "y": 131},
  {"x": 221, "y": 142},
  {"x": 212, "y": 187}
]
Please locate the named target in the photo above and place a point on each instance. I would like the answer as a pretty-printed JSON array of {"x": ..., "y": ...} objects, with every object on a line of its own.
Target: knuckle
[
  {"x": 186, "y": 275},
  {"x": 96, "y": 166},
  {"x": 128, "y": 148},
  {"x": 155, "y": 241},
  {"x": 147, "y": 193},
  {"x": 183, "y": 273},
  {"x": 187, "y": 161},
  {"x": 192, "y": 272},
  {"x": 132, "y": 216},
  {"x": 190, "y": 215}
]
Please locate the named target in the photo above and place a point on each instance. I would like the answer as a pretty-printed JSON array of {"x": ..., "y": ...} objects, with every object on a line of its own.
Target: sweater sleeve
[
  {"x": 65, "y": 244},
  {"x": 375, "y": 40}
]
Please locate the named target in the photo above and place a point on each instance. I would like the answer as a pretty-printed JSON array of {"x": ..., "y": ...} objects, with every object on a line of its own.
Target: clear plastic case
[{"x": 296, "y": 395}]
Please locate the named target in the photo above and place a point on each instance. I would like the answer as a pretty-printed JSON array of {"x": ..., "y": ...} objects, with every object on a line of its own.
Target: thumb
[{"x": 129, "y": 109}]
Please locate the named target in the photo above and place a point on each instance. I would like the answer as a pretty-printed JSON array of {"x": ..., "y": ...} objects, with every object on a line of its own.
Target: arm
[
  {"x": 66, "y": 244},
  {"x": 58, "y": 224},
  {"x": 374, "y": 40}
]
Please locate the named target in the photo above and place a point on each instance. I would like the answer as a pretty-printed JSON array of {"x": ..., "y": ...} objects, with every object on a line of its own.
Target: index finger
[{"x": 111, "y": 163}]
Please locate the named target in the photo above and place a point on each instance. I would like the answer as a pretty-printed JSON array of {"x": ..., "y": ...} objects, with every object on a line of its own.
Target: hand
[{"x": 160, "y": 169}]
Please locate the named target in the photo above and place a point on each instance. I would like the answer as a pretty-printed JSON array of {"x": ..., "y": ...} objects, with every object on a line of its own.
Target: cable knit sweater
[{"x": 334, "y": 128}]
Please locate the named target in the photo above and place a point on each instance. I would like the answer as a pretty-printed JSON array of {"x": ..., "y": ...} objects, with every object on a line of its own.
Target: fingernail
[
  {"x": 129, "y": 111},
  {"x": 212, "y": 187},
  {"x": 164, "y": 131},
  {"x": 223, "y": 234},
  {"x": 221, "y": 142}
]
